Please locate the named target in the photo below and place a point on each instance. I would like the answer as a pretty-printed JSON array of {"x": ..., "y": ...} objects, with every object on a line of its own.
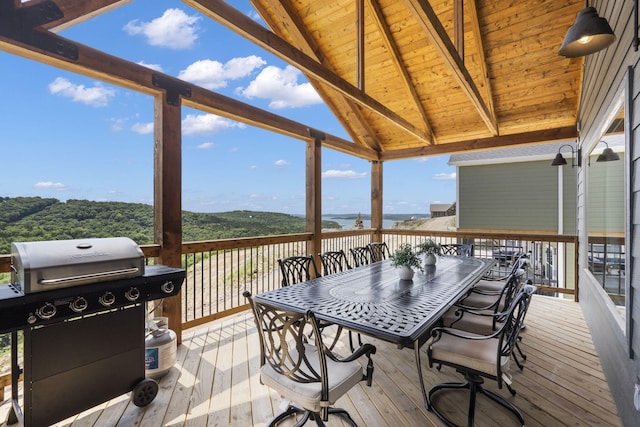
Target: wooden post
[
  {"x": 314, "y": 193},
  {"x": 168, "y": 197},
  {"x": 376, "y": 199}
]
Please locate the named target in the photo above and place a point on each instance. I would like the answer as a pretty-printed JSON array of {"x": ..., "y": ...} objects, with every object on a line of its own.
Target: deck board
[{"x": 215, "y": 382}]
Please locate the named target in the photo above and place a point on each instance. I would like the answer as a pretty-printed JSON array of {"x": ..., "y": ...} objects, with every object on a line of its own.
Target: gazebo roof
[{"x": 411, "y": 78}]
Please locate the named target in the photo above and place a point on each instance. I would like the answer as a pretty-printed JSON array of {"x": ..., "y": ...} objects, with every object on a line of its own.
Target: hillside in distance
[{"x": 24, "y": 219}]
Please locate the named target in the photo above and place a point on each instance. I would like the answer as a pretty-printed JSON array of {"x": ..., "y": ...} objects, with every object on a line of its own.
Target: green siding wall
[
  {"x": 605, "y": 195},
  {"x": 515, "y": 196}
]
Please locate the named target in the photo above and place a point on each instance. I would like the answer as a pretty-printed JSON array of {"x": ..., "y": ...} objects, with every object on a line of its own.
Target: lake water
[{"x": 348, "y": 223}]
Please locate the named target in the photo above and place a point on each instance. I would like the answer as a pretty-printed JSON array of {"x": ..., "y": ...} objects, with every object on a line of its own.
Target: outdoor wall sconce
[
  {"x": 607, "y": 155},
  {"x": 590, "y": 33},
  {"x": 577, "y": 154}
]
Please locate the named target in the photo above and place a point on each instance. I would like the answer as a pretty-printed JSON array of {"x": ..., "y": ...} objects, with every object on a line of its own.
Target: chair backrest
[
  {"x": 296, "y": 269},
  {"x": 361, "y": 255},
  {"x": 283, "y": 342},
  {"x": 379, "y": 251},
  {"x": 514, "y": 320},
  {"x": 457, "y": 249},
  {"x": 334, "y": 262},
  {"x": 511, "y": 288},
  {"x": 521, "y": 263}
]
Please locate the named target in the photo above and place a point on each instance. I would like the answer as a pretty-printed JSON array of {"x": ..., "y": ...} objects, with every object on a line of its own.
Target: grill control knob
[
  {"x": 167, "y": 287},
  {"x": 47, "y": 311},
  {"x": 31, "y": 319},
  {"x": 79, "y": 304},
  {"x": 132, "y": 293},
  {"x": 107, "y": 299}
]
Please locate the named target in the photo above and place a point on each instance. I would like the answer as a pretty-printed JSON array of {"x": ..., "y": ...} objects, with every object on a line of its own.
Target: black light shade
[
  {"x": 559, "y": 160},
  {"x": 575, "y": 157},
  {"x": 608, "y": 155},
  {"x": 590, "y": 33}
]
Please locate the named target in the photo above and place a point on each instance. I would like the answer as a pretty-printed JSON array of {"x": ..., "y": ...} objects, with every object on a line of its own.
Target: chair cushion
[
  {"x": 479, "y": 355},
  {"x": 482, "y": 325},
  {"x": 490, "y": 285},
  {"x": 342, "y": 377},
  {"x": 475, "y": 299}
]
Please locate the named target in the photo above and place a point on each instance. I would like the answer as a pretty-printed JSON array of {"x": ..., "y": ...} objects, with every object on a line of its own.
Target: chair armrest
[
  {"x": 365, "y": 349},
  {"x": 436, "y": 333}
]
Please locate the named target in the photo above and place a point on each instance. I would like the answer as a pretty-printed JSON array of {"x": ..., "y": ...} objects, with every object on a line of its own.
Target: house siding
[
  {"x": 485, "y": 190},
  {"x": 604, "y": 74}
]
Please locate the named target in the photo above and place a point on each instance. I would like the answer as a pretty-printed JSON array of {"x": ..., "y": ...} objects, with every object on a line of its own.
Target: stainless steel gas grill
[{"x": 80, "y": 304}]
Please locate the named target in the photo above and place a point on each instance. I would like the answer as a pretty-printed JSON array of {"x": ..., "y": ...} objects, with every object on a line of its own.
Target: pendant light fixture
[
  {"x": 608, "y": 155},
  {"x": 590, "y": 33}
]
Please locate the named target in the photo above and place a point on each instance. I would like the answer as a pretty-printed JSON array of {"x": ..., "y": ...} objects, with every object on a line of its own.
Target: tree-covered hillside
[{"x": 24, "y": 219}]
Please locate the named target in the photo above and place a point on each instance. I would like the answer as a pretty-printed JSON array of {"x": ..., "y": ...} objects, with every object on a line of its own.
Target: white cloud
[
  {"x": 212, "y": 74},
  {"x": 206, "y": 145},
  {"x": 155, "y": 67},
  {"x": 142, "y": 128},
  {"x": 282, "y": 88},
  {"x": 445, "y": 176},
  {"x": 207, "y": 124},
  {"x": 281, "y": 163},
  {"x": 96, "y": 96},
  {"x": 174, "y": 29},
  {"x": 50, "y": 185},
  {"x": 344, "y": 174}
]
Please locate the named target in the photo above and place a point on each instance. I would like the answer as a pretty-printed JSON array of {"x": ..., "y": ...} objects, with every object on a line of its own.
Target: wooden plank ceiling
[
  {"x": 406, "y": 78},
  {"x": 416, "y": 77}
]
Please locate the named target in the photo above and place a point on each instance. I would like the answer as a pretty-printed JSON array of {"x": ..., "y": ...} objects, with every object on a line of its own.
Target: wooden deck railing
[{"x": 218, "y": 271}]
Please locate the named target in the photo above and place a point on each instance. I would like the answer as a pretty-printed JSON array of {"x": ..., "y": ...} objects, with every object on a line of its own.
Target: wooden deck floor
[{"x": 215, "y": 382}]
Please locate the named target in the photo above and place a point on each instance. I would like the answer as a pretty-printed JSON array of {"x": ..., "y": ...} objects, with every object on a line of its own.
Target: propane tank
[{"x": 161, "y": 347}]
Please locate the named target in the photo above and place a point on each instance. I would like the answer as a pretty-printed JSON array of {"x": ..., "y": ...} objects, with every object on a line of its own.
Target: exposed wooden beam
[
  {"x": 360, "y": 82},
  {"x": 73, "y": 11},
  {"x": 429, "y": 21},
  {"x": 168, "y": 196},
  {"x": 358, "y": 128},
  {"x": 458, "y": 27},
  {"x": 533, "y": 137},
  {"x": 482, "y": 58},
  {"x": 230, "y": 108},
  {"x": 246, "y": 27},
  {"x": 397, "y": 60}
]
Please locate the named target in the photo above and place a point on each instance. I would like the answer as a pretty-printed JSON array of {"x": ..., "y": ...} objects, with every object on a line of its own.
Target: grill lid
[{"x": 40, "y": 266}]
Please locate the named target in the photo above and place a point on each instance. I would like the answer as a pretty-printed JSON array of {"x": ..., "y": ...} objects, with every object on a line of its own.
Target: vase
[
  {"x": 430, "y": 259},
  {"x": 405, "y": 272}
]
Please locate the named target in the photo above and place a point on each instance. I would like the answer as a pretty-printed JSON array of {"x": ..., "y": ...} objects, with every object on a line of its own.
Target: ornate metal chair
[
  {"x": 489, "y": 299},
  {"x": 379, "y": 251},
  {"x": 495, "y": 280},
  {"x": 361, "y": 255},
  {"x": 485, "y": 322},
  {"x": 334, "y": 262},
  {"x": 296, "y": 269},
  {"x": 308, "y": 375},
  {"x": 457, "y": 249},
  {"x": 478, "y": 357}
]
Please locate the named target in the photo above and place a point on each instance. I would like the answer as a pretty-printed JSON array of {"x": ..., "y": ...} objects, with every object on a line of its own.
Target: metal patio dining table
[{"x": 372, "y": 300}]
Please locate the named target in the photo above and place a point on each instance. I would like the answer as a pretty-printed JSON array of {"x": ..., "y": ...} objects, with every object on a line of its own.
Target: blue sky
[{"x": 68, "y": 136}]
